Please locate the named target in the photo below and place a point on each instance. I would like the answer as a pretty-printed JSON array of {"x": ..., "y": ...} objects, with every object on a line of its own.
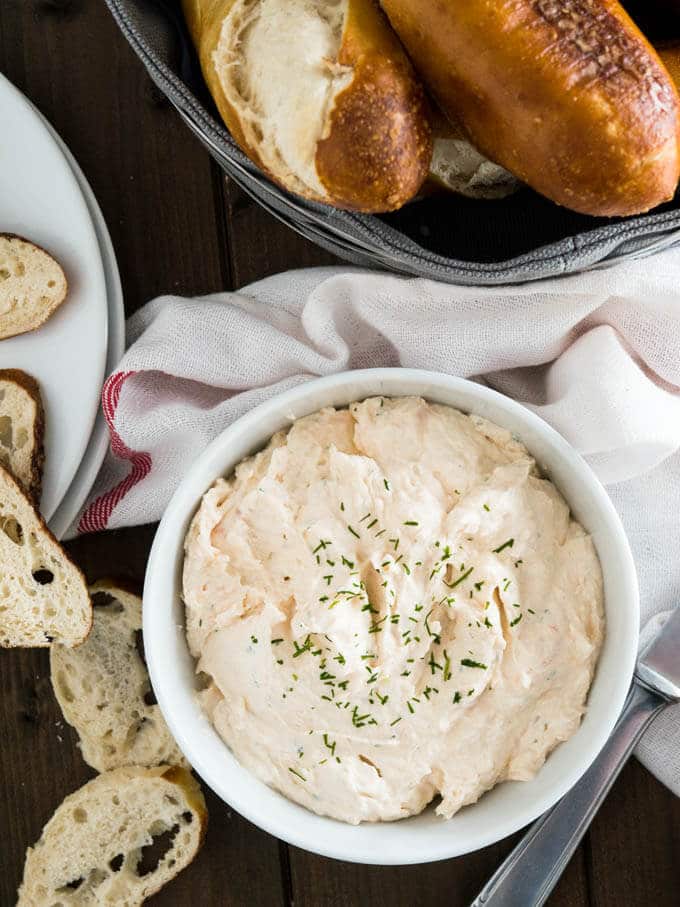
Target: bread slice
[
  {"x": 32, "y": 285},
  {"x": 103, "y": 688},
  {"x": 43, "y": 595},
  {"x": 22, "y": 426},
  {"x": 95, "y": 848}
]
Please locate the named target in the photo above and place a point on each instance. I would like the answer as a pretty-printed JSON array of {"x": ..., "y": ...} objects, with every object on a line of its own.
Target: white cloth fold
[{"x": 596, "y": 354}]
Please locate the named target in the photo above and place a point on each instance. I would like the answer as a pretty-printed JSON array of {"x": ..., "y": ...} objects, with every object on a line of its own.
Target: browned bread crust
[
  {"x": 378, "y": 151},
  {"x": 30, "y": 385},
  {"x": 378, "y": 148},
  {"x": 566, "y": 94}
]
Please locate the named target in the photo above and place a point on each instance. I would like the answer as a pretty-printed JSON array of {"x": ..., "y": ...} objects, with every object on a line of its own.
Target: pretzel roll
[{"x": 566, "y": 94}]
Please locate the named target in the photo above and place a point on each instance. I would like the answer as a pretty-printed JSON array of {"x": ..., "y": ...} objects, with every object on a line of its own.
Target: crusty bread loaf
[
  {"x": 569, "y": 96},
  {"x": 43, "y": 595},
  {"x": 22, "y": 426},
  {"x": 103, "y": 687},
  {"x": 32, "y": 285},
  {"x": 319, "y": 94},
  {"x": 92, "y": 850}
]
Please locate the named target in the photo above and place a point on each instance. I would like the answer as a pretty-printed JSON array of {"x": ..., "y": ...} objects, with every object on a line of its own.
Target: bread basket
[{"x": 444, "y": 237}]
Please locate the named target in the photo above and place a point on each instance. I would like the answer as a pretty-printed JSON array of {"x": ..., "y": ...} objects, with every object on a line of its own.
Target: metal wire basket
[{"x": 444, "y": 237}]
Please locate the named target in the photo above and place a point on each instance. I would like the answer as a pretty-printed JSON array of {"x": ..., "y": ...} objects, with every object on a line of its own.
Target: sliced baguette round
[
  {"x": 32, "y": 285},
  {"x": 103, "y": 687},
  {"x": 43, "y": 595},
  {"x": 22, "y": 429},
  {"x": 319, "y": 94},
  {"x": 91, "y": 850}
]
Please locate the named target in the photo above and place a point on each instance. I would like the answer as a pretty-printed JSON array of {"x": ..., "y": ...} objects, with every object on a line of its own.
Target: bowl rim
[{"x": 163, "y": 637}]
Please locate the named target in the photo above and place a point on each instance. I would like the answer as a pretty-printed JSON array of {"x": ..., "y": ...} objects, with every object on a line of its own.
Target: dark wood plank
[
  {"x": 635, "y": 844},
  {"x": 317, "y": 880},
  {"x": 259, "y": 244}
]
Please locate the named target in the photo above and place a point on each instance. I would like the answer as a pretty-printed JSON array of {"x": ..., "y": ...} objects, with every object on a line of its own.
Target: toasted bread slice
[
  {"x": 103, "y": 688},
  {"x": 92, "y": 850},
  {"x": 22, "y": 426},
  {"x": 32, "y": 285},
  {"x": 43, "y": 595}
]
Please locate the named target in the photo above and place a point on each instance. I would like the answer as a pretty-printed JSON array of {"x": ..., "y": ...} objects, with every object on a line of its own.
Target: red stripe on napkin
[{"x": 96, "y": 516}]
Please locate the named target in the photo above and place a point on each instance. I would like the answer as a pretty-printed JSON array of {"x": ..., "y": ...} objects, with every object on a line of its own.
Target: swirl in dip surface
[{"x": 390, "y": 603}]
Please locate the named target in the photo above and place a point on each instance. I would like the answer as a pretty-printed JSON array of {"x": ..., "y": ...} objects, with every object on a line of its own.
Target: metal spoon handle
[{"x": 531, "y": 871}]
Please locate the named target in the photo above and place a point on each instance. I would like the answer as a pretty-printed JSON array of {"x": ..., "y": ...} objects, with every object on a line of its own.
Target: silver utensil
[{"x": 531, "y": 871}]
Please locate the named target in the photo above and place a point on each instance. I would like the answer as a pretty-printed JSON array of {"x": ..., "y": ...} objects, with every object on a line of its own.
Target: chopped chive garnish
[
  {"x": 386, "y": 484},
  {"x": 469, "y": 663},
  {"x": 305, "y": 647},
  {"x": 275, "y": 642},
  {"x": 487, "y": 508},
  {"x": 353, "y": 531},
  {"x": 301, "y": 777},
  {"x": 396, "y": 720},
  {"x": 516, "y": 620},
  {"x": 456, "y": 697},
  {"x": 460, "y": 579},
  {"x": 371, "y": 524},
  {"x": 508, "y": 544},
  {"x": 410, "y": 522},
  {"x": 447, "y": 666}
]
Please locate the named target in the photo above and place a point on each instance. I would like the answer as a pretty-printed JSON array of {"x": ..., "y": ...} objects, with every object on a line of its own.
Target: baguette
[
  {"x": 566, "y": 94},
  {"x": 22, "y": 427},
  {"x": 43, "y": 595},
  {"x": 319, "y": 94},
  {"x": 32, "y": 285},
  {"x": 103, "y": 688},
  {"x": 91, "y": 851}
]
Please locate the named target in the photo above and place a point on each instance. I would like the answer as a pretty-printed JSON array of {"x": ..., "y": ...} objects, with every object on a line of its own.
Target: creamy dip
[{"x": 390, "y": 604}]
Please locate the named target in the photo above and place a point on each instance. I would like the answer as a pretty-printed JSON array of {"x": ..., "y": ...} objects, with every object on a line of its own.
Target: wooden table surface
[{"x": 178, "y": 226}]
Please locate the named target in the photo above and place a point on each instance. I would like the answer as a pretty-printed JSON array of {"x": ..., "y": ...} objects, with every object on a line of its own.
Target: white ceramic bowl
[{"x": 426, "y": 837}]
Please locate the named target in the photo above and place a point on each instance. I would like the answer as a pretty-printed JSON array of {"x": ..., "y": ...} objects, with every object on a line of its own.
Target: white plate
[
  {"x": 40, "y": 199},
  {"x": 84, "y": 478}
]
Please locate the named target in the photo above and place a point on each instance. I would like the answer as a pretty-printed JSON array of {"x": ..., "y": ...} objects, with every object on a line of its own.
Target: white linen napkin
[{"x": 597, "y": 355}]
